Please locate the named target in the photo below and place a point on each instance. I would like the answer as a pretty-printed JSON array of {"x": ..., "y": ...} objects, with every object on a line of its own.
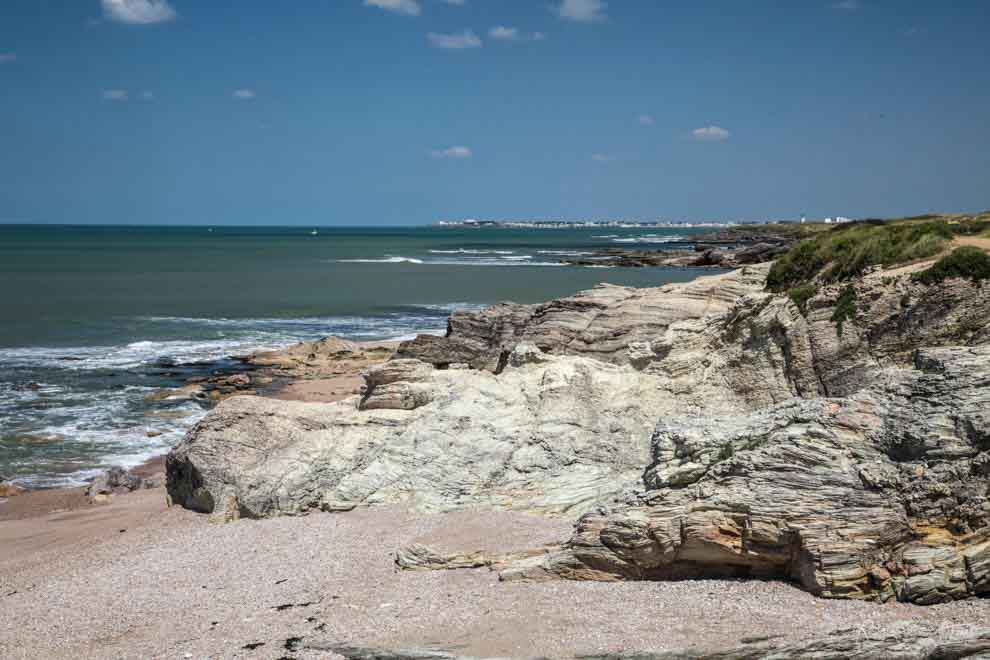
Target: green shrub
[
  {"x": 972, "y": 227},
  {"x": 726, "y": 452},
  {"x": 800, "y": 295},
  {"x": 964, "y": 262},
  {"x": 845, "y": 308}
]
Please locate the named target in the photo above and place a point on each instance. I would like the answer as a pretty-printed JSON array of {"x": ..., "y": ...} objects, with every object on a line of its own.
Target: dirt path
[{"x": 975, "y": 241}]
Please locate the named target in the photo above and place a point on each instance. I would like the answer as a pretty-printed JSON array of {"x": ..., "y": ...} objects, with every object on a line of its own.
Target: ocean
[{"x": 94, "y": 319}]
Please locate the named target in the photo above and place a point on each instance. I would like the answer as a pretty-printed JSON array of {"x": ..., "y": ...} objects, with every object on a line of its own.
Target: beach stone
[
  {"x": 114, "y": 481},
  {"x": 8, "y": 489}
]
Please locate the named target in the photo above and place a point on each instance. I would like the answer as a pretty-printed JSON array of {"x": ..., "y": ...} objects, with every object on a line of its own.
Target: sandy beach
[{"x": 134, "y": 579}]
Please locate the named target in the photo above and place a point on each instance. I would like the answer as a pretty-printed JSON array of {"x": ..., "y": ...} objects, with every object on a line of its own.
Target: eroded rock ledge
[
  {"x": 700, "y": 429},
  {"x": 898, "y": 642}
]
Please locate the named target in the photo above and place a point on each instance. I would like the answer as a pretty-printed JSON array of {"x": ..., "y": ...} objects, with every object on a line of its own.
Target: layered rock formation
[
  {"x": 706, "y": 428},
  {"x": 557, "y": 439},
  {"x": 881, "y": 494}
]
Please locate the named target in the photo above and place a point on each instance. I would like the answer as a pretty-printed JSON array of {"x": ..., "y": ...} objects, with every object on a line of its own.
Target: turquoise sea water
[{"x": 94, "y": 318}]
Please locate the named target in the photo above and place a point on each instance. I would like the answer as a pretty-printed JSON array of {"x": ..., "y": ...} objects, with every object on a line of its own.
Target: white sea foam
[
  {"x": 504, "y": 261},
  {"x": 93, "y": 427},
  {"x": 648, "y": 238},
  {"x": 384, "y": 260},
  {"x": 476, "y": 252},
  {"x": 564, "y": 253}
]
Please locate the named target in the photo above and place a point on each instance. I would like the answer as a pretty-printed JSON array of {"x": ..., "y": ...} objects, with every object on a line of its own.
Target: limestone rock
[
  {"x": 554, "y": 437},
  {"x": 599, "y": 323},
  {"x": 870, "y": 496},
  {"x": 422, "y": 558},
  {"x": 399, "y": 385}
]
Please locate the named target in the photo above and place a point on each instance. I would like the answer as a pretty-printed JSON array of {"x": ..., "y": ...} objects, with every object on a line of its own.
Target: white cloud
[
  {"x": 602, "y": 158},
  {"x": 503, "y": 33},
  {"x": 115, "y": 95},
  {"x": 457, "y": 151},
  {"x": 711, "y": 133},
  {"x": 585, "y": 11},
  {"x": 647, "y": 120},
  {"x": 5, "y": 58},
  {"x": 456, "y": 3},
  {"x": 141, "y": 12},
  {"x": 466, "y": 39},
  {"x": 244, "y": 94},
  {"x": 407, "y": 7},
  {"x": 847, "y": 5}
]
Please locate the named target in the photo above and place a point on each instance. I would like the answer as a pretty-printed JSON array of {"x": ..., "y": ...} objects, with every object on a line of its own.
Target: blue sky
[{"x": 320, "y": 112}]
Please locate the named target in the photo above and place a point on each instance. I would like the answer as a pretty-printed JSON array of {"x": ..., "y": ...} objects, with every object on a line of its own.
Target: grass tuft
[
  {"x": 845, "y": 308},
  {"x": 800, "y": 295}
]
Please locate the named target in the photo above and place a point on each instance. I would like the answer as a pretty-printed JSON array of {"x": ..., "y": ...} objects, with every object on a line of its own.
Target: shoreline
[{"x": 321, "y": 371}]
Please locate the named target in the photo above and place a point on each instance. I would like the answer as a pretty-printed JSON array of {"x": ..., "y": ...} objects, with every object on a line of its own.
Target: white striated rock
[{"x": 553, "y": 437}]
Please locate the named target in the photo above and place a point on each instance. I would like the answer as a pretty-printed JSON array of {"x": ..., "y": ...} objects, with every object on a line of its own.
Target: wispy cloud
[
  {"x": 457, "y": 151},
  {"x": 503, "y": 33},
  {"x": 584, "y": 11},
  {"x": 466, "y": 39},
  {"x": 602, "y": 157},
  {"x": 647, "y": 120},
  {"x": 456, "y": 3},
  {"x": 115, "y": 95},
  {"x": 244, "y": 94},
  {"x": 847, "y": 5},
  {"x": 407, "y": 7},
  {"x": 6, "y": 58},
  {"x": 139, "y": 12},
  {"x": 148, "y": 95},
  {"x": 711, "y": 134}
]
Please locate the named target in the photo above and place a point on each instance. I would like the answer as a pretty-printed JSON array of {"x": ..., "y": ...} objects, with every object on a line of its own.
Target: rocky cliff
[{"x": 706, "y": 428}]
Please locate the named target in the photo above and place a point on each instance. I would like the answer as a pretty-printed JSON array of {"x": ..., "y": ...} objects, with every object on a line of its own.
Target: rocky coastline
[
  {"x": 326, "y": 370},
  {"x": 716, "y": 468},
  {"x": 727, "y": 248}
]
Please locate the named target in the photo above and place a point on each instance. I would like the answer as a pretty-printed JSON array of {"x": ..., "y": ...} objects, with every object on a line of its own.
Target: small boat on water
[{"x": 314, "y": 233}]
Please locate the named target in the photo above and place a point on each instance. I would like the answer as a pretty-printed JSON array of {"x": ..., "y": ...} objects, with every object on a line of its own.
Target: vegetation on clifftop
[{"x": 845, "y": 251}]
